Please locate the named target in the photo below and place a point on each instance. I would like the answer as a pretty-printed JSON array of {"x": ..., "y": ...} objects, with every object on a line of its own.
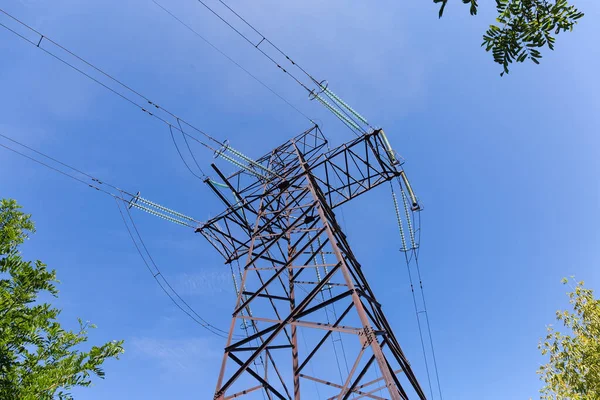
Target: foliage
[
  {"x": 38, "y": 359},
  {"x": 525, "y": 26},
  {"x": 473, "y": 7},
  {"x": 573, "y": 371}
]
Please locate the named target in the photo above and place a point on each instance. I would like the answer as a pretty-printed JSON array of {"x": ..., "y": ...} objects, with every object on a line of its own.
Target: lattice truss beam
[
  {"x": 343, "y": 174},
  {"x": 302, "y": 296}
]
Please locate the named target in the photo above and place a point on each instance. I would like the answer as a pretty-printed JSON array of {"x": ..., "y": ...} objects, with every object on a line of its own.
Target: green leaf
[
  {"x": 527, "y": 24},
  {"x": 38, "y": 358},
  {"x": 574, "y": 354}
]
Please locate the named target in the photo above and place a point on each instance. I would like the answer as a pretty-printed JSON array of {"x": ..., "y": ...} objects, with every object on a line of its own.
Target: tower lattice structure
[{"x": 302, "y": 296}]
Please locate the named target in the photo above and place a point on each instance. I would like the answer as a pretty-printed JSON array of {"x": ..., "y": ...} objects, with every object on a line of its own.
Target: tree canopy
[
  {"x": 573, "y": 371},
  {"x": 38, "y": 358},
  {"x": 523, "y": 28}
]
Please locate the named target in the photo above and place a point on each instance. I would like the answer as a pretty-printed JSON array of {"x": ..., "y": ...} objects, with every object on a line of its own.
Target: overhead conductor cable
[
  {"x": 345, "y": 113},
  {"x": 147, "y": 107},
  {"x": 120, "y": 198}
]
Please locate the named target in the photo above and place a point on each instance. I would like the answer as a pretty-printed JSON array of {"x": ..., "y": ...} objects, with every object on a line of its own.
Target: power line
[
  {"x": 94, "y": 184},
  {"x": 175, "y": 124},
  {"x": 340, "y": 111},
  {"x": 437, "y": 375},
  {"x": 189, "y": 148},
  {"x": 162, "y": 281},
  {"x": 157, "y": 274},
  {"x": 255, "y": 45},
  {"x": 340, "y": 108},
  {"x": 322, "y": 85},
  {"x": 195, "y": 32},
  {"x": 183, "y": 159},
  {"x": 43, "y": 39},
  {"x": 411, "y": 257}
]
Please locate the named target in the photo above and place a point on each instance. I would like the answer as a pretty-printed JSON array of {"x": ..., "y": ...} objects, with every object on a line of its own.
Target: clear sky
[{"x": 507, "y": 169}]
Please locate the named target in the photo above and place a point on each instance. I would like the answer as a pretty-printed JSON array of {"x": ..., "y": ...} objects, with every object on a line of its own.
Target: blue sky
[{"x": 507, "y": 169}]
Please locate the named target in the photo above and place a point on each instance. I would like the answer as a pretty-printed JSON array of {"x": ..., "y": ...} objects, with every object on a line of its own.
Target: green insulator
[
  {"x": 235, "y": 285},
  {"x": 316, "y": 267},
  {"x": 338, "y": 114},
  {"x": 165, "y": 209},
  {"x": 237, "y": 199},
  {"x": 239, "y": 203},
  {"x": 219, "y": 184},
  {"x": 241, "y": 166},
  {"x": 312, "y": 249},
  {"x": 248, "y": 159},
  {"x": 343, "y": 103},
  {"x": 413, "y": 198},
  {"x": 397, "y": 208},
  {"x": 388, "y": 146},
  {"x": 411, "y": 232},
  {"x": 157, "y": 214},
  {"x": 322, "y": 256},
  {"x": 325, "y": 269}
]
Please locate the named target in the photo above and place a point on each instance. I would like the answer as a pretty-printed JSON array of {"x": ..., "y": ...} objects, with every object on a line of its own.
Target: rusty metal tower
[
  {"x": 303, "y": 299},
  {"x": 299, "y": 286}
]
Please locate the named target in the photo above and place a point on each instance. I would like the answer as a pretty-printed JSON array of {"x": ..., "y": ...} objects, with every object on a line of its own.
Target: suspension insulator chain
[
  {"x": 345, "y": 105},
  {"x": 399, "y": 219},
  {"x": 351, "y": 124},
  {"x": 165, "y": 209},
  {"x": 411, "y": 232},
  {"x": 160, "y": 215}
]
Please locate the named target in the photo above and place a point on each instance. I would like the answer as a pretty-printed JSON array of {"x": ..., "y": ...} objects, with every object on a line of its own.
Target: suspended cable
[
  {"x": 43, "y": 39},
  {"x": 237, "y": 292},
  {"x": 416, "y": 262},
  {"x": 150, "y": 103},
  {"x": 255, "y": 45},
  {"x": 437, "y": 375},
  {"x": 315, "y": 262},
  {"x": 151, "y": 208},
  {"x": 189, "y": 148},
  {"x": 154, "y": 209},
  {"x": 263, "y": 39},
  {"x": 313, "y": 93},
  {"x": 333, "y": 304},
  {"x": 181, "y": 156},
  {"x": 411, "y": 257},
  {"x": 161, "y": 280},
  {"x": 416, "y": 310},
  {"x": 118, "y": 199},
  {"x": 195, "y": 32},
  {"x": 96, "y": 183}
]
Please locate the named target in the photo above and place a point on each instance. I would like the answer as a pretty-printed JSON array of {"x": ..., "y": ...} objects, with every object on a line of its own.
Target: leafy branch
[
  {"x": 38, "y": 359},
  {"x": 524, "y": 27},
  {"x": 573, "y": 369}
]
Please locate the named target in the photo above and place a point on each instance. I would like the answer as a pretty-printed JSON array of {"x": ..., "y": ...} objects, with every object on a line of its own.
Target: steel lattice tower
[
  {"x": 301, "y": 293},
  {"x": 300, "y": 288}
]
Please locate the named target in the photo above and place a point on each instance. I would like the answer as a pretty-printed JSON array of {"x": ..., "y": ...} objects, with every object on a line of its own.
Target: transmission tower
[
  {"x": 303, "y": 302},
  {"x": 299, "y": 287}
]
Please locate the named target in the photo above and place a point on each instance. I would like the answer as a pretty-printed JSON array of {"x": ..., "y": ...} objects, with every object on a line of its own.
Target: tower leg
[{"x": 295, "y": 226}]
